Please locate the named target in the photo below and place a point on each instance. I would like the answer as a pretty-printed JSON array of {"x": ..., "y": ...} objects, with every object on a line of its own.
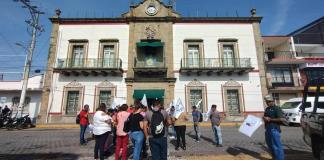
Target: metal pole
[{"x": 27, "y": 68}]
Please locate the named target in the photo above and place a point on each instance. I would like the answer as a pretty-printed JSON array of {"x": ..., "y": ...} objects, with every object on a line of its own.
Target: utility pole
[{"x": 35, "y": 29}]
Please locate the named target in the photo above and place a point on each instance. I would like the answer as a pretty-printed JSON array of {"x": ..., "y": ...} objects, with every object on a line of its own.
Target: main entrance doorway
[{"x": 151, "y": 95}]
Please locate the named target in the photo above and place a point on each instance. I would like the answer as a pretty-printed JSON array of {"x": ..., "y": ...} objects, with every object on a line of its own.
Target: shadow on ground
[
  {"x": 290, "y": 154},
  {"x": 40, "y": 156}
]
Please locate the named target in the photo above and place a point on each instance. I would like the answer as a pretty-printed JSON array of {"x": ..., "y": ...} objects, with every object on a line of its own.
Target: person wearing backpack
[
  {"x": 136, "y": 130},
  {"x": 156, "y": 122},
  {"x": 196, "y": 118},
  {"x": 180, "y": 128},
  {"x": 84, "y": 121}
]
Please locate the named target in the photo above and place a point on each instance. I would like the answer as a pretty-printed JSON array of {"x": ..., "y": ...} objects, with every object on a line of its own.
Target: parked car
[
  {"x": 292, "y": 111},
  {"x": 312, "y": 123}
]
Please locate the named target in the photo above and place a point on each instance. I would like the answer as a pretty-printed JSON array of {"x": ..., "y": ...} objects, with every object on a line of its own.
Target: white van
[{"x": 292, "y": 111}]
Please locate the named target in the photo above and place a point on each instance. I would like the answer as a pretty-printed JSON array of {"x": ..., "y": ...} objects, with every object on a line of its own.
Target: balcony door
[
  {"x": 77, "y": 56},
  {"x": 109, "y": 56},
  {"x": 228, "y": 56},
  {"x": 193, "y": 56}
]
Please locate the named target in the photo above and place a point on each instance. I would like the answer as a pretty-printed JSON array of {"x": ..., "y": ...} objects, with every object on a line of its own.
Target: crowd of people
[{"x": 139, "y": 125}]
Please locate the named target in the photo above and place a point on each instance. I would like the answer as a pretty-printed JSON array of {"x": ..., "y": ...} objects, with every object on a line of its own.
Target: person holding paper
[
  {"x": 273, "y": 117},
  {"x": 180, "y": 128},
  {"x": 215, "y": 119}
]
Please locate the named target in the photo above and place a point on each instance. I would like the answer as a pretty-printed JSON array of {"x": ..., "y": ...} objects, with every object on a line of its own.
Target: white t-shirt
[{"x": 100, "y": 126}]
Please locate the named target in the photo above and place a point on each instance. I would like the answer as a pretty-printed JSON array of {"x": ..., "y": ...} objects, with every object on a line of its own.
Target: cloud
[{"x": 283, "y": 7}]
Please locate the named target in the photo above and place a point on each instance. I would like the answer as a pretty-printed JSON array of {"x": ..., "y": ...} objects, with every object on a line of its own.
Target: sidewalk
[{"x": 72, "y": 126}]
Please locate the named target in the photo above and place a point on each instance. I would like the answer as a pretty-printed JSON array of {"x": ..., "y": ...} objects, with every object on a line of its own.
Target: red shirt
[{"x": 84, "y": 118}]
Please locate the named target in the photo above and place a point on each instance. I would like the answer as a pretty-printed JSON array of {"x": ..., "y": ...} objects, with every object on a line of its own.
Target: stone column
[{"x": 42, "y": 116}]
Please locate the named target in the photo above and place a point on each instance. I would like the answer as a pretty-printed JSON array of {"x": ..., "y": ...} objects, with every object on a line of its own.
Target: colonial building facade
[{"x": 152, "y": 50}]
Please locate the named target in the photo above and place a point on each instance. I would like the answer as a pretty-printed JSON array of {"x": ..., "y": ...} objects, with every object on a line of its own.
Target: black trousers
[
  {"x": 181, "y": 134},
  {"x": 100, "y": 145}
]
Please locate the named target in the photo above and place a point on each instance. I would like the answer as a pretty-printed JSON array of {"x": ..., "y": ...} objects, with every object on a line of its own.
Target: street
[{"x": 64, "y": 144}]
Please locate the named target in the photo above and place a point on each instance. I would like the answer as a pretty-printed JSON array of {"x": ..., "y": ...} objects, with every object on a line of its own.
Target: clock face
[{"x": 151, "y": 10}]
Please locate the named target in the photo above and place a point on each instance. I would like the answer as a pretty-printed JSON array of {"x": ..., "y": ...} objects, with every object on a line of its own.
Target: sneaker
[
  {"x": 197, "y": 140},
  {"x": 219, "y": 145},
  {"x": 172, "y": 137},
  {"x": 177, "y": 148},
  {"x": 184, "y": 148}
]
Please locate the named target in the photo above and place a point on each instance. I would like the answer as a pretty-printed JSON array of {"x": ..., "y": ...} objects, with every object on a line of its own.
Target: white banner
[
  {"x": 117, "y": 101},
  {"x": 179, "y": 108},
  {"x": 250, "y": 125}
]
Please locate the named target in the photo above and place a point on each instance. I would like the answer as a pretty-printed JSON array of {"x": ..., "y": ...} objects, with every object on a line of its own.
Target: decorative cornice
[
  {"x": 231, "y": 83},
  {"x": 195, "y": 83},
  {"x": 74, "y": 84},
  {"x": 106, "y": 84}
]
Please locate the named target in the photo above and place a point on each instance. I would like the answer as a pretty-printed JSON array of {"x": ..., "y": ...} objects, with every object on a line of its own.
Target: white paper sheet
[{"x": 250, "y": 125}]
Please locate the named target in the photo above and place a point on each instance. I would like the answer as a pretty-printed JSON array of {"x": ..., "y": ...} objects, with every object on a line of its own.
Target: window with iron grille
[
  {"x": 72, "y": 102},
  {"x": 281, "y": 76},
  {"x": 196, "y": 99},
  {"x": 105, "y": 97}
]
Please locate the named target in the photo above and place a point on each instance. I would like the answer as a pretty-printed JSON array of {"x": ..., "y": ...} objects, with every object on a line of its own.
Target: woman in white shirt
[{"x": 101, "y": 130}]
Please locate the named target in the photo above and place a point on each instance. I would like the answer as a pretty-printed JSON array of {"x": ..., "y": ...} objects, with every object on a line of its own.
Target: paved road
[{"x": 63, "y": 144}]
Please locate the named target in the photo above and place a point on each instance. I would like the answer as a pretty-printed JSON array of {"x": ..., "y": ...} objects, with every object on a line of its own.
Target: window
[
  {"x": 105, "y": 97},
  {"x": 228, "y": 56},
  {"x": 72, "y": 102},
  {"x": 77, "y": 56},
  {"x": 233, "y": 102},
  {"x": 196, "y": 99},
  {"x": 15, "y": 101},
  {"x": 314, "y": 73},
  {"x": 281, "y": 75},
  {"x": 193, "y": 55},
  {"x": 109, "y": 56}
]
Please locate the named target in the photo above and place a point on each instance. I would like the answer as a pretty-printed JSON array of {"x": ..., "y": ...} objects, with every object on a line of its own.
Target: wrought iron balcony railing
[
  {"x": 215, "y": 63},
  {"x": 89, "y": 63},
  {"x": 149, "y": 63}
]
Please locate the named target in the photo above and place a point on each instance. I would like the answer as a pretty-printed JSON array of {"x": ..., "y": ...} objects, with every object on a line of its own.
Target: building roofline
[
  {"x": 306, "y": 26},
  {"x": 275, "y": 36},
  {"x": 174, "y": 19}
]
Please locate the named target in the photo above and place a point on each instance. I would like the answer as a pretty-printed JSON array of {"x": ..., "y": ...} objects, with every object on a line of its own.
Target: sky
[{"x": 280, "y": 17}]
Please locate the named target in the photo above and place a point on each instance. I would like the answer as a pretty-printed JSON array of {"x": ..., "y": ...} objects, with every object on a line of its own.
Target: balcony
[
  {"x": 150, "y": 70},
  {"x": 150, "y": 65},
  {"x": 89, "y": 66},
  {"x": 216, "y": 65},
  {"x": 282, "y": 57}
]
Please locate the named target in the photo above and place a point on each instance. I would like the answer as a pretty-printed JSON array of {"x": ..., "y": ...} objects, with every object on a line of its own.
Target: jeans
[
  {"x": 137, "y": 138},
  {"x": 159, "y": 148},
  {"x": 181, "y": 133},
  {"x": 197, "y": 131},
  {"x": 100, "y": 145},
  {"x": 173, "y": 132},
  {"x": 218, "y": 134},
  {"x": 122, "y": 142},
  {"x": 272, "y": 137},
  {"x": 82, "y": 132}
]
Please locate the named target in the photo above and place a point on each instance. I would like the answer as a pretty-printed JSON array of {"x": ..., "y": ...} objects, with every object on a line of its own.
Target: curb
[{"x": 75, "y": 126}]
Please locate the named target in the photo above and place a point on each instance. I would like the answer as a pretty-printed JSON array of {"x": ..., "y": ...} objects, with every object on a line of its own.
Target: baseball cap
[{"x": 268, "y": 98}]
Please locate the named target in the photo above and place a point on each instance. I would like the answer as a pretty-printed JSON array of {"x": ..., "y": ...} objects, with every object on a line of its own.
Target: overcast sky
[{"x": 280, "y": 17}]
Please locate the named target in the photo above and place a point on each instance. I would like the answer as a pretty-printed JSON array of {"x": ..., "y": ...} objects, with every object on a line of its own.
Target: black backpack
[
  {"x": 200, "y": 117},
  {"x": 157, "y": 124},
  {"x": 77, "y": 120},
  {"x": 127, "y": 124}
]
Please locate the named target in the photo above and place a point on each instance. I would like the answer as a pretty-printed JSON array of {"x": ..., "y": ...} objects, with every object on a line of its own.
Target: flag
[
  {"x": 207, "y": 114},
  {"x": 144, "y": 101},
  {"x": 198, "y": 103}
]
